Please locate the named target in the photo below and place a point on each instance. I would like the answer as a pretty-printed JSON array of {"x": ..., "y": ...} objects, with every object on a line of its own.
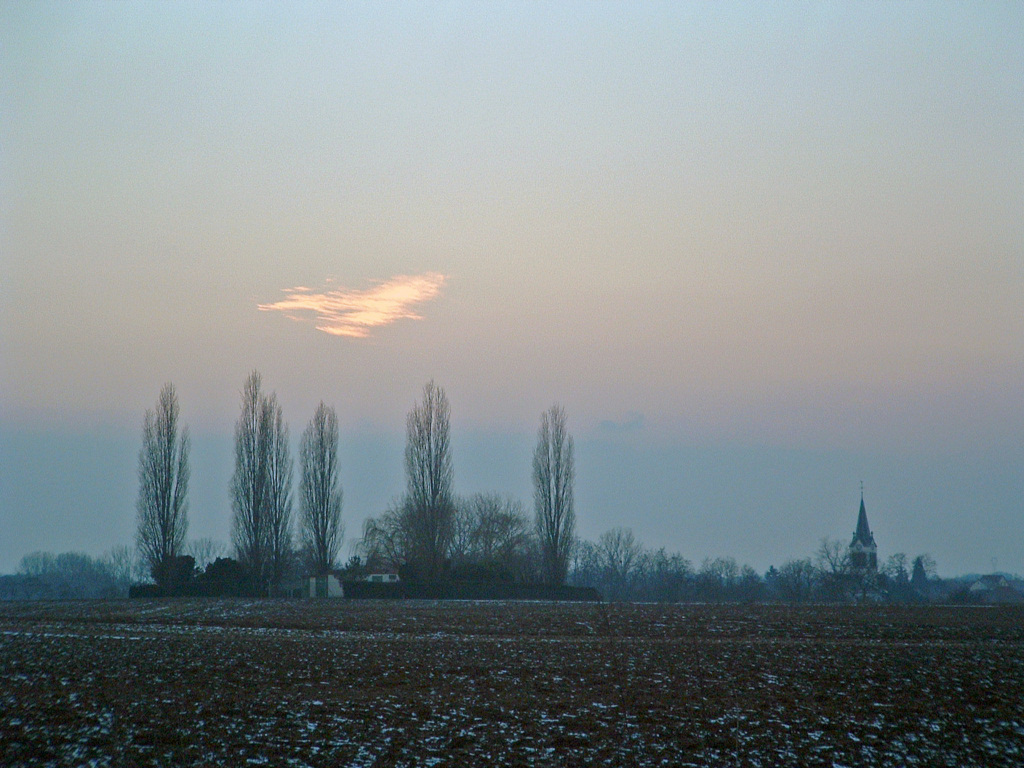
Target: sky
[{"x": 760, "y": 253}]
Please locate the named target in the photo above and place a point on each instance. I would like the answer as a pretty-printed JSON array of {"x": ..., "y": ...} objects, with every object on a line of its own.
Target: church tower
[{"x": 863, "y": 551}]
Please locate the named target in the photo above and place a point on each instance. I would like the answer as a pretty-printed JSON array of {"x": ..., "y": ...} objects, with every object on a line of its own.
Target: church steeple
[
  {"x": 863, "y": 550},
  {"x": 863, "y": 532}
]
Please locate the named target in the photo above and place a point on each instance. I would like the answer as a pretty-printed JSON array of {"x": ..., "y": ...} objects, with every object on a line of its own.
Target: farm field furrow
[{"x": 380, "y": 684}]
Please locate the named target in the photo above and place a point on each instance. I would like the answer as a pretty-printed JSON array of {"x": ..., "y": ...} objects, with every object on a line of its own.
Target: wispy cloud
[{"x": 345, "y": 312}]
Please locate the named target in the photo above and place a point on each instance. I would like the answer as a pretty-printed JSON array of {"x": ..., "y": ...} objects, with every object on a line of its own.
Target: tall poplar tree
[
  {"x": 320, "y": 490},
  {"x": 162, "y": 504},
  {"x": 554, "y": 474},
  {"x": 261, "y": 486},
  {"x": 429, "y": 506}
]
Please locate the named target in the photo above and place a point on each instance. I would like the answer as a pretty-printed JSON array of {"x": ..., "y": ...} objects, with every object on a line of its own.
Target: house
[
  {"x": 989, "y": 584},
  {"x": 994, "y": 589},
  {"x": 863, "y": 550}
]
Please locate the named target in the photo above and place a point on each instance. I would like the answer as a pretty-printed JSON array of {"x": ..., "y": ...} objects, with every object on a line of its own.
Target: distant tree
[
  {"x": 896, "y": 575},
  {"x": 717, "y": 579},
  {"x": 895, "y": 568},
  {"x": 795, "y": 581},
  {"x": 832, "y": 557},
  {"x": 621, "y": 559},
  {"x": 162, "y": 504},
  {"x": 36, "y": 564},
  {"x": 926, "y": 563},
  {"x": 279, "y": 499},
  {"x": 750, "y": 587},
  {"x": 430, "y": 505},
  {"x": 461, "y": 552},
  {"x": 122, "y": 564},
  {"x": 836, "y": 577},
  {"x": 205, "y": 551},
  {"x": 386, "y": 544},
  {"x": 249, "y": 481},
  {"x": 320, "y": 491},
  {"x": 584, "y": 565},
  {"x": 923, "y": 572},
  {"x": 68, "y": 576},
  {"x": 492, "y": 539},
  {"x": 503, "y": 527},
  {"x": 554, "y": 474},
  {"x": 261, "y": 486},
  {"x": 490, "y": 528},
  {"x": 178, "y": 575},
  {"x": 667, "y": 577},
  {"x": 621, "y": 568}
]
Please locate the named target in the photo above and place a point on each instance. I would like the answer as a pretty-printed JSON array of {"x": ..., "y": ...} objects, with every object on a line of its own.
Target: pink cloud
[{"x": 343, "y": 312}]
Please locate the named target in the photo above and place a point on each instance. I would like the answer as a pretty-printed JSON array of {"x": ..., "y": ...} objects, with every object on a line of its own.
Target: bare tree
[
  {"x": 429, "y": 475},
  {"x": 279, "y": 498},
  {"x": 621, "y": 559},
  {"x": 36, "y": 564},
  {"x": 832, "y": 558},
  {"x": 162, "y": 504},
  {"x": 717, "y": 578},
  {"x": 248, "y": 482},
  {"x": 896, "y": 568},
  {"x": 120, "y": 562},
  {"x": 667, "y": 577},
  {"x": 492, "y": 538},
  {"x": 320, "y": 490},
  {"x": 205, "y": 551},
  {"x": 461, "y": 550},
  {"x": 553, "y": 477},
  {"x": 836, "y": 579},
  {"x": 750, "y": 587},
  {"x": 261, "y": 485},
  {"x": 896, "y": 575},
  {"x": 795, "y": 580},
  {"x": 386, "y": 542},
  {"x": 71, "y": 575},
  {"x": 500, "y": 528}
]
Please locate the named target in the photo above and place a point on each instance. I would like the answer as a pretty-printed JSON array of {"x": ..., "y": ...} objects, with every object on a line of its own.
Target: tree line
[
  {"x": 429, "y": 534},
  {"x": 622, "y": 568},
  {"x": 262, "y": 526},
  {"x": 492, "y": 541}
]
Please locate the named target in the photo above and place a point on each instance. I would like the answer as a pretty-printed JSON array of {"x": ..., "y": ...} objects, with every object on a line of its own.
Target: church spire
[
  {"x": 863, "y": 532},
  {"x": 863, "y": 551}
]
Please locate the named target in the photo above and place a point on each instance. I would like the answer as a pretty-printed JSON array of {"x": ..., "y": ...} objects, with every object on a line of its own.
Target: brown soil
[{"x": 201, "y": 682}]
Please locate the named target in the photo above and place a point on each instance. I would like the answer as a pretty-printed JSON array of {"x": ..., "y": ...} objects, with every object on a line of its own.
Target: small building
[
  {"x": 989, "y": 583},
  {"x": 325, "y": 586},
  {"x": 863, "y": 550},
  {"x": 995, "y": 589}
]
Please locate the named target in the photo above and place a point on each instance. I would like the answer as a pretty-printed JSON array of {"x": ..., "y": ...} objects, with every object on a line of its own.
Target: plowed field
[{"x": 364, "y": 683}]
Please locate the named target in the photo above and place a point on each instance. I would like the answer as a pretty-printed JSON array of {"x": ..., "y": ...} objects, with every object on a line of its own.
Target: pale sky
[{"x": 759, "y": 252}]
